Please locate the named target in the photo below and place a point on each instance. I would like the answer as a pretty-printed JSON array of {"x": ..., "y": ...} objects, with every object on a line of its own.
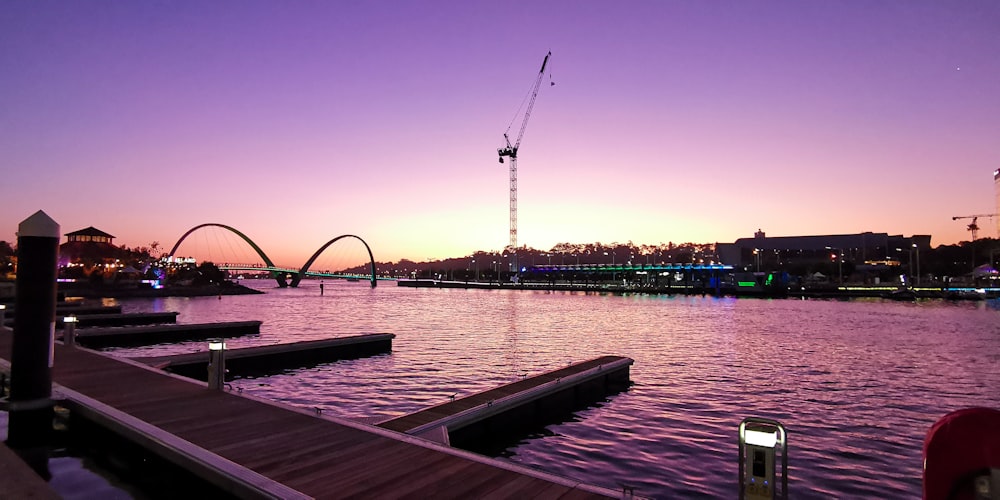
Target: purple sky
[{"x": 670, "y": 121}]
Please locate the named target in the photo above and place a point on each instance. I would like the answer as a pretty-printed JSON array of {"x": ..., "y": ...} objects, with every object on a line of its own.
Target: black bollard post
[{"x": 30, "y": 419}]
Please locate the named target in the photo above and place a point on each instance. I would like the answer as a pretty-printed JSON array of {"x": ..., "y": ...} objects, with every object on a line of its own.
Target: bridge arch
[
  {"x": 305, "y": 267},
  {"x": 281, "y": 279}
]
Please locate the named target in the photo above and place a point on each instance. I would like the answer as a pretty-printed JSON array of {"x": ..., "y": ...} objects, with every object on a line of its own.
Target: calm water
[{"x": 856, "y": 383}]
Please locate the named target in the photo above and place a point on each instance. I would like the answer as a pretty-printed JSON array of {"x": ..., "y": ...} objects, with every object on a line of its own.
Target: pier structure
[
  {"x": 265, "y": 359},
  {"x": 252, "y": 447},
  {"x": 558, "y": 389},
  {"x": 153, "y": 334},
  {"x": 112, "y": 319},
  {"x": 664, "y": 274}
]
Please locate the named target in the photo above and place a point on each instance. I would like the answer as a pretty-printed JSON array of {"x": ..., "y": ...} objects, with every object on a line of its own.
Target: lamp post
[
  {"x": 840, "y": 262},
  {"x": 612, "y": 264},
  {"x": 69, "y": 331},
  {"x": 909, "y": 263},
  {"x": 918, "y": 263},
  {"x": 217, "y": 365},
  {"x": 840, "y": 266}
]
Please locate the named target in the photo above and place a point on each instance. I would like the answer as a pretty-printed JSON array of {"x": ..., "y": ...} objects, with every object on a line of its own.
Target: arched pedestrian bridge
[{"x": 285, "y": 276}]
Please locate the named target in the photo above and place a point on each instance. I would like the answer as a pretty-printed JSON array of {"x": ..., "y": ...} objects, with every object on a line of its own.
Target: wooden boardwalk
[
  {"x": 276, "y": 357},
  {"x": 89, "y": 320},
  {"x": 487, "y": 403},
  {"x": 152, "y": 334},
  {"x": 320, "y": 456}
]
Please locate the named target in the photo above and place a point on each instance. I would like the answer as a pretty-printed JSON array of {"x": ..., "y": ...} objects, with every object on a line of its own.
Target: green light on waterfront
[{"x": 746, "y": 283}]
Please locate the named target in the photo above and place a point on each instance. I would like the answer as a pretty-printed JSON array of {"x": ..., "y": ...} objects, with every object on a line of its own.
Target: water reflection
[{"x": 857, "y": 383}]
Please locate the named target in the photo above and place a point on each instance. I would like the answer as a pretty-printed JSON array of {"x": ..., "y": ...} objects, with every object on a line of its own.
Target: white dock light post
[
  {"x": 760, "y": 440},
  {"x": 30, "y": 419},
  {"x": 3, "y": 311},
  {"x": 216, "y": 365},
  {"x": 69, "y": 331}
]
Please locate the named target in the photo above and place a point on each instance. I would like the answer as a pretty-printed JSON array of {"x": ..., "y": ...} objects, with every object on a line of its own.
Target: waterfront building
[
  {"x": 874, "y": 250},
  {"x": 87, "y": 247}
]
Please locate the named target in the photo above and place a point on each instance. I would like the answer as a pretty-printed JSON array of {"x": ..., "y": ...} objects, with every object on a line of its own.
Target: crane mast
[{"x": 510, "y": 150}]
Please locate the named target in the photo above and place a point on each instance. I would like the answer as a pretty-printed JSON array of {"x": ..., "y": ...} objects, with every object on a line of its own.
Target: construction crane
[
  {"x": 973, "y": 227},
  {"x": 511, "y": 151}
]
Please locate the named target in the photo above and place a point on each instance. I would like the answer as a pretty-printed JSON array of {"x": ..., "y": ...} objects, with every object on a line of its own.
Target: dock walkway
[
  {"x": 317, "y": 455},
  {"x": 126, "y": 319},
  {"x": 468, "y": 410},
  {"x": 265, "y": 359},
  {"x": 123, "y": 336}
]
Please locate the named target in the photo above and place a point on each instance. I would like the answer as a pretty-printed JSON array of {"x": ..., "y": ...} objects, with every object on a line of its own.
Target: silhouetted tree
[{"x": 7, "y": 257}]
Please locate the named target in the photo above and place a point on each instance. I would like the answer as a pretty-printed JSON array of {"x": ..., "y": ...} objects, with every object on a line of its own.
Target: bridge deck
[{"x": 319, "y": 456}]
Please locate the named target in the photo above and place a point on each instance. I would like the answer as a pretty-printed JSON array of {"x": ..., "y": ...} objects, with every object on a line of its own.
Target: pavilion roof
[{"x": 90, "y": 231}]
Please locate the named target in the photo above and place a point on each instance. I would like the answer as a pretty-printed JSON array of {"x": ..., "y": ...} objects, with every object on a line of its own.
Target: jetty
[
  {"x": 119, "y": 319},
  {"x": 64, "y": 309},
  {"x": 251, "y": 447},
  {"x": 516, "y": 400},
  {"x": 269, "y": 358},
  {"x": 152, "y": 334}
]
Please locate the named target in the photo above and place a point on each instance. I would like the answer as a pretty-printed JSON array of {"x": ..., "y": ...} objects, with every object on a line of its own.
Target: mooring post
[
  {"x": 69, "y": 331},
  {"x": 3, "y": 311},
  {"x": 216, "y": 365},
  {"x": 34, "y": 329}
]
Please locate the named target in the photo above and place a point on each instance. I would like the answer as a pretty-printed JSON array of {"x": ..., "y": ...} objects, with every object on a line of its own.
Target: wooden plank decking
[
  {"x": 320, "y": 456},
  {"x": 152, "y": 334},
  {"x": 90, "y": 320},
  {"x": 421, "y": 420},
  {"x": 276, "y": 357}
]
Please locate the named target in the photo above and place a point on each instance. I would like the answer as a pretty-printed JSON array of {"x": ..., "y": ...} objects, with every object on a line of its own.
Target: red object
[{"x": 957, "y": 447}]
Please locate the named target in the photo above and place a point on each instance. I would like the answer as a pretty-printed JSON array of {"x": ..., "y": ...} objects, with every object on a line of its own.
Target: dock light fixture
[
  {"x": 3, "y": 311},
  {"x": 760, "y": 438},
  {"x": 216, "y": 365},
  {"x": 69, "y": 330},
  {"x": 760, "y": 442}
]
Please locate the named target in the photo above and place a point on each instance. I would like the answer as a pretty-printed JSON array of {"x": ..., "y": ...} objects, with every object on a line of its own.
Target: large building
[
  {"x": 762, "y": 252},
  {"x": 87, "y": 246}
]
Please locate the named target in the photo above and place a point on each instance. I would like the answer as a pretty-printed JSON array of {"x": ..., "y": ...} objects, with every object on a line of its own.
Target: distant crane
[
  {"x": 511, "y": 151},
  {"x": 973, "y": 227}
]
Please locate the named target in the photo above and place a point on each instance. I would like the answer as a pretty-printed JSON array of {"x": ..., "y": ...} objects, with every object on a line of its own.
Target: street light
[
  {"x": 840, "y": 263},
  {"x": 918, "y": 263},
  {"x": 612, "y": 265}
]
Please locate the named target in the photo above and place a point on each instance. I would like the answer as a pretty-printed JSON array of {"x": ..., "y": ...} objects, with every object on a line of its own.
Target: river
[{"x": 857, "y": 383}]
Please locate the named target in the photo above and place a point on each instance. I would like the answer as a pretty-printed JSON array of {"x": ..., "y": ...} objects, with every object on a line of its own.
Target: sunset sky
[{"x": 676, "y": 121}]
